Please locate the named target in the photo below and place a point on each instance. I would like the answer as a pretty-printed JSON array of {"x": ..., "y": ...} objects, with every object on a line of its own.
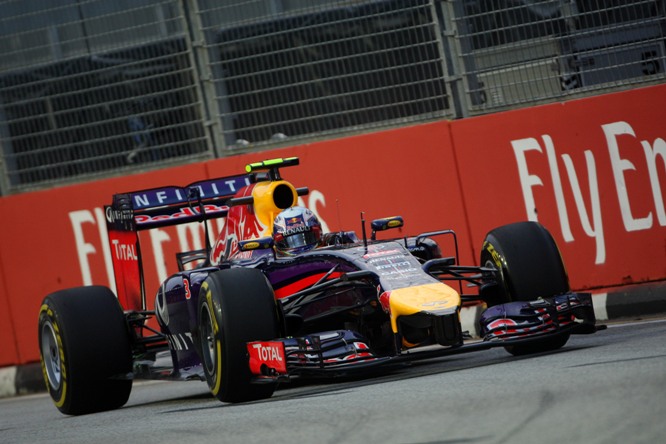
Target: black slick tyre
[
  {"x": 528, "y": 266},
  {"x": 528, "y": 263},
  {"x": 236, "y": 306},
  {"x": 85, "y": 350}
]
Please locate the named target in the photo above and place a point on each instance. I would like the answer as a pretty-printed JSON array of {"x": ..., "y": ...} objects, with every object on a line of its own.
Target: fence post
[{"x": 205, "y": 82}]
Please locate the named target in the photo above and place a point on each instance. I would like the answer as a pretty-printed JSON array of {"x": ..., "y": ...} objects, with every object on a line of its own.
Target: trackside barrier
[
  {"x": 593, "y": 171},
  {"x": 8, "y": 346}
]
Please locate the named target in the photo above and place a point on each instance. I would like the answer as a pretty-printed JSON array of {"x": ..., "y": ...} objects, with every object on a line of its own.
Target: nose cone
[{"x": 435, "y": 299}]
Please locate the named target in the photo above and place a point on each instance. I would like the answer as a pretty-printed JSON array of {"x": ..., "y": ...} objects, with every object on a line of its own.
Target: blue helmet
[{"x": 296, "y": 230}]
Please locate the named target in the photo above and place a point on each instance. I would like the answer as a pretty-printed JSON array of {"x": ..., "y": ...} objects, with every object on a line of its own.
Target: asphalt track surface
[{"x": 604, "y": 388}]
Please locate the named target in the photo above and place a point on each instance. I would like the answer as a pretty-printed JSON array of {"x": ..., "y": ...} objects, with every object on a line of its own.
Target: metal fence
[
  {"x": 92, "y": 88},
  {"x": 523, "y": 52},
  {"x": 324, "y": 69},
  {"x": 95, "y": 87}
]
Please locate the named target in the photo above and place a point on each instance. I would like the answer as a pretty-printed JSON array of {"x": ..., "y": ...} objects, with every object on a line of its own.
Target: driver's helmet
[{"x": 296, "y": 230}]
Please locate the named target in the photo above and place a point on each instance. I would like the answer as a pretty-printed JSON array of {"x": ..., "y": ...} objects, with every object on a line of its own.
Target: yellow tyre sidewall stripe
[
  {"x": 60, "y": 396},
  {"x": 218, "y": 344}
]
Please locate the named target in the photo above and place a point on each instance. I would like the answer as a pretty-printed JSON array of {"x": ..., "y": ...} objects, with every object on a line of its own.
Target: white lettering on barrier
[
  {"x": 612, "y": 131},
  {"x": 651, "y": 153},
  {"x": 528, "y": 181},
  {"x": 83, "y": 248},
  {"x": 157, "y": 238},
  {"x": 194, "y": 231},
  {"x": 106, "y": 250},
  {"x": 184, "y": 232},
  {"x": 593, "y": 227},
  {"x": 594, "y": 230}
]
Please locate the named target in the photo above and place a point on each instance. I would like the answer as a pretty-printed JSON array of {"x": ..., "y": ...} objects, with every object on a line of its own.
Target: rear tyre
[
  {"x": 85, "y": 350},
  {"x": 236, "y": 306},
  {"x": 528, "y": 266}
]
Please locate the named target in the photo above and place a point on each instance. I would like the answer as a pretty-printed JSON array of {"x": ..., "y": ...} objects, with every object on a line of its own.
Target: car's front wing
[{"x": 345, "y": 351}]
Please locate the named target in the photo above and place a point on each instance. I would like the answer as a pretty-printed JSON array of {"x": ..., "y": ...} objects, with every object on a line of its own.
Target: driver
[{"x": 296, "y": 230}]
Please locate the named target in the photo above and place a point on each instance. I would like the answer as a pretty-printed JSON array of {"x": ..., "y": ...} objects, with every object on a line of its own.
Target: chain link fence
[
  {"x": 523, "y": 52},
  {"x": 92, "y": 88},
  {"x": 303, "y": 71}
]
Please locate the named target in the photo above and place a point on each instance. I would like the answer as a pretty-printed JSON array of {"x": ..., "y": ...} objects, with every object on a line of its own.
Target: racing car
[{"x": 245, "y": 319}]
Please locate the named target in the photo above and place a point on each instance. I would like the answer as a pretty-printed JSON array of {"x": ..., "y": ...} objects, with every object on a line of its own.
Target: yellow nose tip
[{"x": 430, "y": 298}]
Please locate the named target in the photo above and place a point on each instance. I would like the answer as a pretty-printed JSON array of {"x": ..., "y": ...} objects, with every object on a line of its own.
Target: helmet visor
[{"x": 298, "y": 240}]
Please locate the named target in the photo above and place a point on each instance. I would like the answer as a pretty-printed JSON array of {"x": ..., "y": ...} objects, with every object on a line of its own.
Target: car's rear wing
[
  {"x": 151, "y": 208},
  {"x": 172, "y": 205},
  {"x": 140, "y": 210}
]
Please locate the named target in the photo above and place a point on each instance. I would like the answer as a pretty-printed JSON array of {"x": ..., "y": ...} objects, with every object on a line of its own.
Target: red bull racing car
[{"x": 244, "y": 318}]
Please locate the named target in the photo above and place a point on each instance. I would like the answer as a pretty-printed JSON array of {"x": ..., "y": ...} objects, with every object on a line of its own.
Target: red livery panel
[{"x": 267, "y": 358}]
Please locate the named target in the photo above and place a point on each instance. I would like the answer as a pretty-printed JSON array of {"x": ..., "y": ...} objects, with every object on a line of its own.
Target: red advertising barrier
[
  {"x": 53, "y": 240},
  {"x": 57, "y": 237},
  {"x": 593, "y": 171},
  {"x": 8, "y": 350}
]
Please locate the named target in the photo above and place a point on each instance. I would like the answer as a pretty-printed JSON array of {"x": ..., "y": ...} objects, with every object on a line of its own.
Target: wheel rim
[
  {"x": 51, "y": 355},
  {"x": 490, "y": 264},
  {"x": 208, "y": 340}
]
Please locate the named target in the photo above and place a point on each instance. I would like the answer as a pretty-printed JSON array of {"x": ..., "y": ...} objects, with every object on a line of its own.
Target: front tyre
[
  {"x": 85, "y": 350},
  {"x": 528, "y": 265},
  {"x": 236, "y": 306}
]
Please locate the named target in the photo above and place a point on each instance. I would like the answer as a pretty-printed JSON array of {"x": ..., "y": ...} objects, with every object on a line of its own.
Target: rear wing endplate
[{"x": 140, "y": 210}]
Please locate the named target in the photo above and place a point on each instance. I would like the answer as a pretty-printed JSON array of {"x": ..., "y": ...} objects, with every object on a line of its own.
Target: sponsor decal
[
  {"x": 267, "y": 355},
  {"x": 506, "y": 328},
  {"x": 394, "y": 265},
  {"x": 186, "y": 212},
  {"x": 501, "y": 323},
  {"x": 268, "y": 352},
  {"x": 124, "y": 252},
  {"x": 384, "y": 300},
  {"x": 113, "y": 216},
  {"x": 241, "y": 224},
  {"x": 379, "y": 253},
  {"x": 435, "y": 304},
  {"x": 493, "y": 253},
  {"x": 295, "y": 230},
  {"x": 174, "y": 195},
  {"x": 401, "y": 264},
  {"x": 186, "y": 287},
  {"x": 357, "y": 351}
]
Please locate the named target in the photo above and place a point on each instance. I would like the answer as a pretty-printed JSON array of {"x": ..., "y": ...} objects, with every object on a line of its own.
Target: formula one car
[{"x": 245, "y": 319}]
